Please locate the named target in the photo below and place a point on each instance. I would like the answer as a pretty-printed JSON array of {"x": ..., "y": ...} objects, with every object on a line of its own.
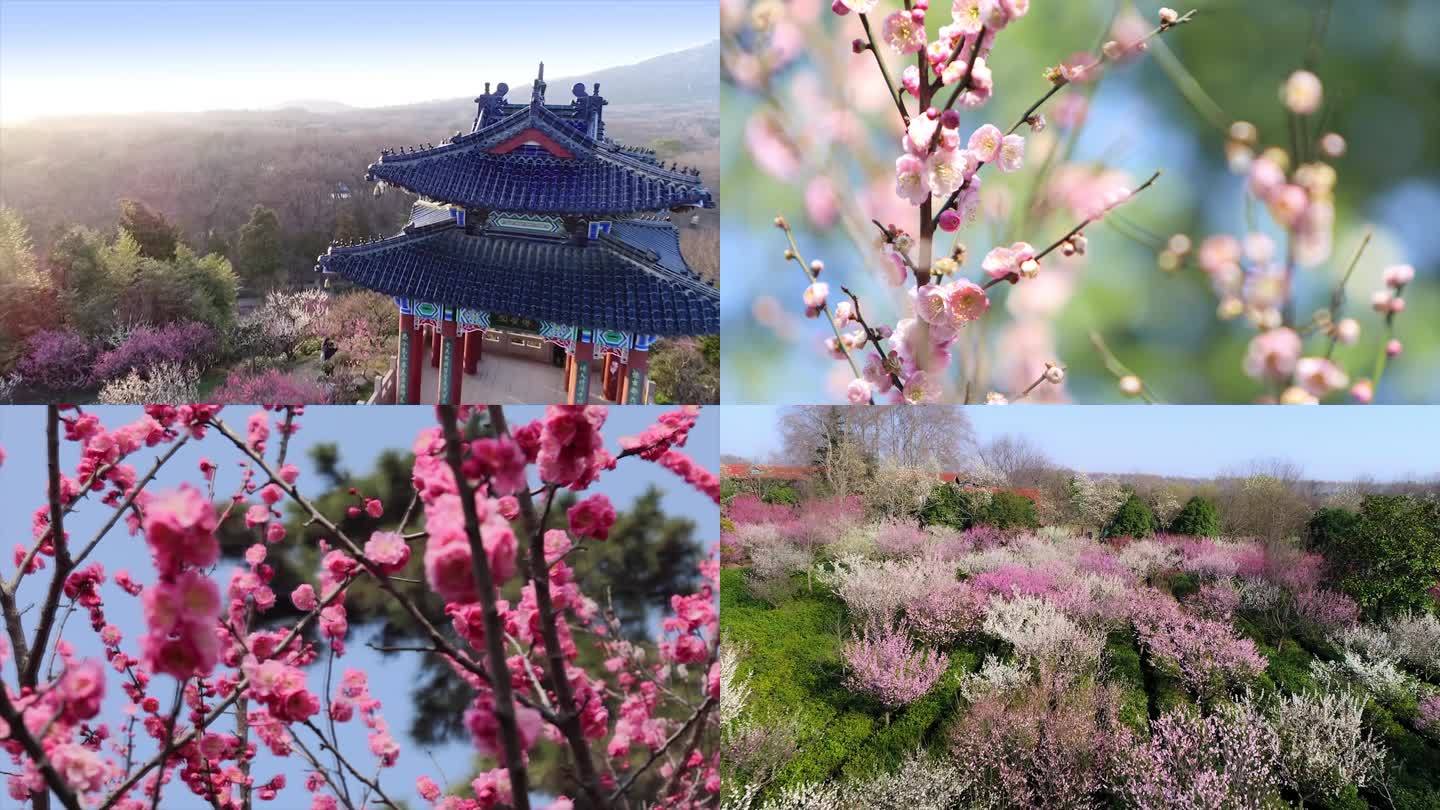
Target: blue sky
[
  {"x": 362, "y": 433},
  {"x": 1331, "y": 443},
  {"x": 60, "y": 57}
]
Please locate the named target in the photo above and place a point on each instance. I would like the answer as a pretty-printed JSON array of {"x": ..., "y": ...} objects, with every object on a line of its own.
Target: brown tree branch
[
  {"x": 494, "y": 630},
  {"x": 568, "y": 713}
]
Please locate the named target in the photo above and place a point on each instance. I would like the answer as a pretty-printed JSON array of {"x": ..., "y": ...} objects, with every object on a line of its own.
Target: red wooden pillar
[
  {"x": 577, "y": 388},
  {"x": 474, "y": 341},
  {"x": 614, "y": 385},
  {"x": 636, "y": 372},
  {"x": 407, "y": 368},
  {"x": 434, "y": 346},
  {"x": 450, "y": 364}
]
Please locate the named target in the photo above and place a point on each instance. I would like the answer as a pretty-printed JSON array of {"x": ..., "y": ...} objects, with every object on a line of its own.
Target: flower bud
[
  {"x": 1363, "y": 392},
  {"x": 1130, "y": 385},
  {"x": 1054, "y": 374},
  {"x": 1303, "y": 93},
  {"x": 1399, "y": 275},
  {"x": 1168, "y": 16}
]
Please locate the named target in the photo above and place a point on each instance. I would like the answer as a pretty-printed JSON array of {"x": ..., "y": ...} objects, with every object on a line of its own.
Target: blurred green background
[{"x": 1379, "y": 59}]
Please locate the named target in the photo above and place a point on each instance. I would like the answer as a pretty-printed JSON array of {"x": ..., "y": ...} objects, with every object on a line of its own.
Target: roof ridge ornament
[{"x": 537, "y": 93}]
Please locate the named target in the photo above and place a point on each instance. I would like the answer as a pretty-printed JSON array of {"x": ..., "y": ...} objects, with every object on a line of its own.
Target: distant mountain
[
  {"x": 315, "y": 105},
  {"x": 205, "y": 170},
  {"x": 684, "y": 76}
]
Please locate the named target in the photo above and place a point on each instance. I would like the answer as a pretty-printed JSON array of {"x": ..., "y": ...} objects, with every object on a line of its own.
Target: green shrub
[
  {"x": 1385, "y": 557},
  {"x": 1327, "y": 526},
  {"x": 1199, "y": 518},
  {"x": 1134, "y": 519},
  {"x": 728, "y": 489},
  {"x": 780, "y": 493},
  {"x": 1122, "y": 659},
  {"x": 1007, "y": 510},
  {"x": 949, "y": 505}
]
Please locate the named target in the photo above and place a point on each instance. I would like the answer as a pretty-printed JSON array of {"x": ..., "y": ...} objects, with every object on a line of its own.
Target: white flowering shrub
[
  {"x": 1145, "y": 558},
  {"x": 856, "y": 540},
  {"x": 1324, "y": 747},
  {"x": 162, "y": 383},
  {"x": 1259, "y": 594},
  {"x": 878, "y": 589},
  {"x": 1416, "y": 640},
  {"x": 994, "y": 677},
  {"x": 922, "y": 782},
  {"x": 734, "y": 688},
  {"x": 1040, "y": 633},
  {"x": 1379, "y": 677}
]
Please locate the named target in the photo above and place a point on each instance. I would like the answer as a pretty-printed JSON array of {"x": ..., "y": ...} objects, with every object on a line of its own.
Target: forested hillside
[{"x": 206, "y": 171}]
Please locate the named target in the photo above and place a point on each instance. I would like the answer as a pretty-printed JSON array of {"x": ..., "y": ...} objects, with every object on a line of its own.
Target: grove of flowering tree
[
  {"x": 980, "y": 276},
  {"x": 230, "y": 683},
  {"x": 873, "y": 660}
]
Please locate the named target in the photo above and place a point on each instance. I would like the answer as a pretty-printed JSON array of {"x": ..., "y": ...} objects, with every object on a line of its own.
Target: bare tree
[
  {"x": 1020, "y": 460},
  {"x": 940, "y": 437},
  {"x": 1269, "y": 499}
]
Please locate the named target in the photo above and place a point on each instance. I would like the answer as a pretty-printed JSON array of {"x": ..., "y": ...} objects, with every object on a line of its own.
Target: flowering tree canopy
[{"x": 221, "y": 687}]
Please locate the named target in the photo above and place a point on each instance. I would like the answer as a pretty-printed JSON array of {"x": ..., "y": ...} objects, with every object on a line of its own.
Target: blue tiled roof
[
  {"x": 603, "y": 178},
  {"x": 633, "y": 281}
]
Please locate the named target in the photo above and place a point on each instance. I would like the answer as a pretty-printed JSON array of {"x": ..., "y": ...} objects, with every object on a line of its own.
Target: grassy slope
[{"x": 793, "y": 653}]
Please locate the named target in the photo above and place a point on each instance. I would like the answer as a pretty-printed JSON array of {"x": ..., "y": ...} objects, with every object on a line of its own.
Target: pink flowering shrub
[
  {"x": 1224, "y": 760},
  {"x": 1207, "y": 655},
  {"x": 56, "y": 360},
  {"x": 547, "y": 671},
  {"x": 943, "y": 615},
  {"x": 272, "y": 386},
  {"x": 1010, "y": 581},
  {"x": 981, "y": 537},
  {"x": 1215, "y": 600},
  {"x": 1429, "y": 715},
  {"x": 1326, "y": 612},
  {"x": 884, "y": 663},
  {"x": 180, "y": 344},
  {"x": 746, "y": 508},
  {"x": 1045, "y": 745},
  {"x": 899, "y": 538}
]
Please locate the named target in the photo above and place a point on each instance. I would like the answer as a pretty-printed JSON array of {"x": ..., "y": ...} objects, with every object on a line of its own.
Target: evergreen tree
[
  {"x": 156, "y": 237},
  {"x": 1133, "y": 520},
  {"x": 24, "y": 290},
  {"x": 1199, "y": 518},
  {"x": 258, "y": 254}
]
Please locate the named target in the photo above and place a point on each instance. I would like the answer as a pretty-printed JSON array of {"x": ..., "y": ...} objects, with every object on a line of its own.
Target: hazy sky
[
  {"x": 1330, "y": 442},
  {"x": 63, "y": 57}
]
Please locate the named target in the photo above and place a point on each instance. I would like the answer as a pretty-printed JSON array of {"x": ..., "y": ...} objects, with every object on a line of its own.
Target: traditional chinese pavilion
[{"x": 535, "y": 235}]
